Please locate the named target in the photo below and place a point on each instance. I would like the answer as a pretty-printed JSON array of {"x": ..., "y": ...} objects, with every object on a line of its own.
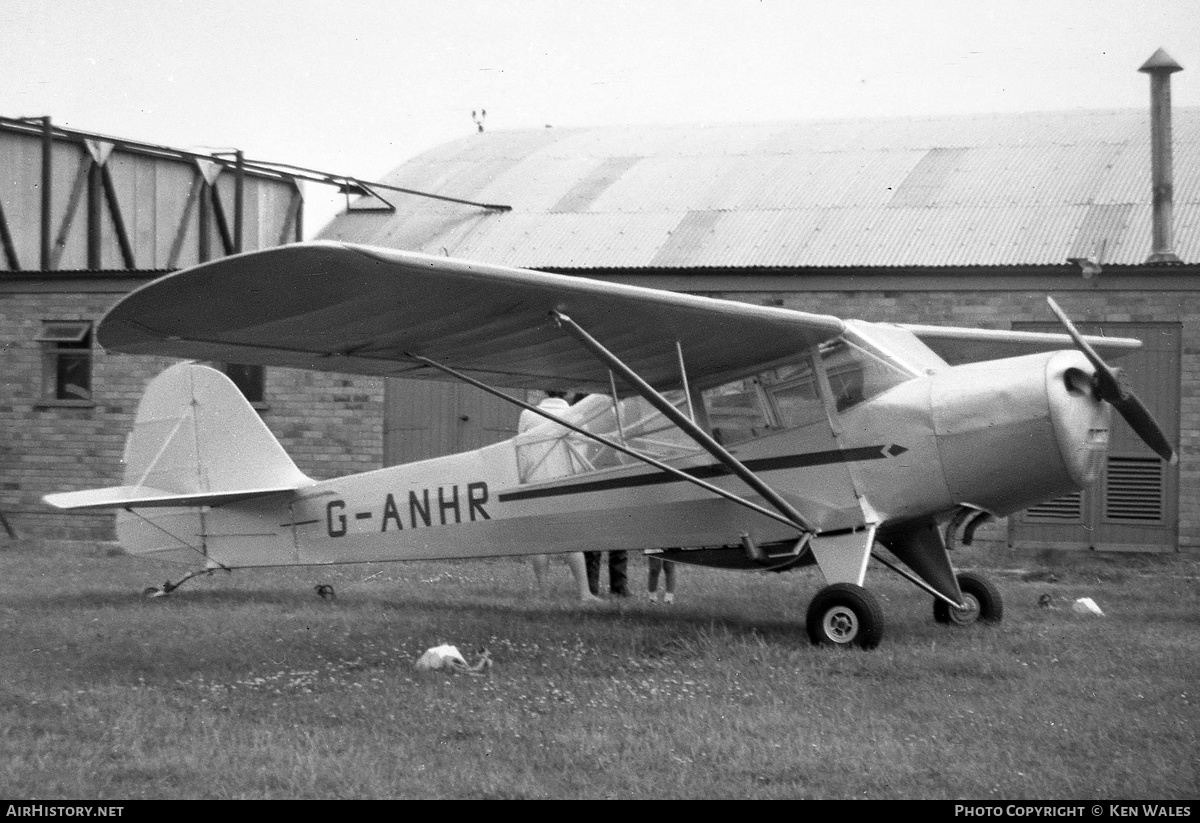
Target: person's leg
[
  {"x": 541, "y": 567},
  {"x": 592, "y": 562},
  {"x": 618, "y": 563},
  {"x": 655, "y": 565},
  {"x": 579, "y": 572},
  {"x": 669, "y": 580}
]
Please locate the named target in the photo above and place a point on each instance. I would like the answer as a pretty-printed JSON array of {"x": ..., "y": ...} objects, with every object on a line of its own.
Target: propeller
[{"x": 1111, "y": 385}]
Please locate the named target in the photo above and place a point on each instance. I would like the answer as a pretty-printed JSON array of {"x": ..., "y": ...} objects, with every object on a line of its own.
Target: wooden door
[{"x": 426, "y": 418}]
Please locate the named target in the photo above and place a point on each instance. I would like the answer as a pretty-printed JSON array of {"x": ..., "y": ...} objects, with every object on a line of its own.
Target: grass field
[{"x": 250, "y": 686}]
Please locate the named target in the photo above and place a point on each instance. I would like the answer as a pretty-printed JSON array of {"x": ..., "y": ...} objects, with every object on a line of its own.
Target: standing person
[
  {"x": 618, "y": 563},
  {"x": 657, "y": 564},
  {"x": 552, "y": 465}
]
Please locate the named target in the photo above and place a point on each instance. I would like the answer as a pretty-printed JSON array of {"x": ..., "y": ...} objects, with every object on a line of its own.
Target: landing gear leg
[
  {"x": 982, "y": 598},
  {"x": 845, "y": 615}
]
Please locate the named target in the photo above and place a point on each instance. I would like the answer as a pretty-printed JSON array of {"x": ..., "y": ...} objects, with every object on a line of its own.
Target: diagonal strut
[
  {"x": 682, "y": 475},
  {"x": 702, "y": 438}
]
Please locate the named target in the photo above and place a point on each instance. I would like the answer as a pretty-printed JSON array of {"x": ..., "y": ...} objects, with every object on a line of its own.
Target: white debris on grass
[
  {"x": 1087, "y": 606},
  {"x": 449, "y": 658}
]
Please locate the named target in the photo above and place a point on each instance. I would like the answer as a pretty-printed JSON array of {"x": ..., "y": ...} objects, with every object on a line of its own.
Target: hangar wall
[{"x": 72, "y": 200}]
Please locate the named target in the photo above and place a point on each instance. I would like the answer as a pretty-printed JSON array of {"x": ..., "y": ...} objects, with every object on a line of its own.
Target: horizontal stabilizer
[
  {"x": 144, "y": 496},
  {"x": 196, "y": 441}
]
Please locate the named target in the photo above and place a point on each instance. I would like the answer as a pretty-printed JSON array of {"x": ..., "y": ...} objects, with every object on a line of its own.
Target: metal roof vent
[{"x": 1160, "y": 67}]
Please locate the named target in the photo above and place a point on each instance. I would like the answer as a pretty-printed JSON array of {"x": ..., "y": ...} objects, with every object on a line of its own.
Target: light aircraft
[{"x": 713, "y": 432}]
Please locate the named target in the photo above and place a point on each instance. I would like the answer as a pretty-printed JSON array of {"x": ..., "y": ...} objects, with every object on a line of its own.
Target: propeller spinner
[{"x": 1110, "y": 385}]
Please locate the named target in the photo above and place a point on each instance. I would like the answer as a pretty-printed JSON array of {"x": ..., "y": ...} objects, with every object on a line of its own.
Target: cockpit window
[
  {"x": 785, "y": 397},
  {"x": 737, "y": 410},
  {"x": 550, "y": 450},
  {"x": 776, "y": 399},
  {"x": 795, "y": 399}
]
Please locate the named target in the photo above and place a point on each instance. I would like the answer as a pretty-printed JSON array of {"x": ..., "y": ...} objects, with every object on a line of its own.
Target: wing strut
[
  {"x": 612, "y": 444},
  {"x": 702, "y": 438}
]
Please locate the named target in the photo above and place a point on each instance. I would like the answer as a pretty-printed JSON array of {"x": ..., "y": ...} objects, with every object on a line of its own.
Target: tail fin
[{"x": 196, "y": 441}]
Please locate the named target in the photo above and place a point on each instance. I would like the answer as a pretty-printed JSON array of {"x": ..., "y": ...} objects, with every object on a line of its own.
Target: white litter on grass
[
  {"x": 1086, "y": 605},
  {"x": 449, "y": 658}
]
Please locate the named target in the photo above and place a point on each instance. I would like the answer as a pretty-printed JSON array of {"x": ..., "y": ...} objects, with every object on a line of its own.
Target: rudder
[{"x": 195, "y": 433}]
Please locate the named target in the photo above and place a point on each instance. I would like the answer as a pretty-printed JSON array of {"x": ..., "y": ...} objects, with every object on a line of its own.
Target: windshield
[{"x": 856, "y": 373}]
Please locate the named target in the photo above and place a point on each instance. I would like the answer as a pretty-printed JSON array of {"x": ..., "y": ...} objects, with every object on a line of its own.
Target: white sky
[{"x": 358, "y": 86}]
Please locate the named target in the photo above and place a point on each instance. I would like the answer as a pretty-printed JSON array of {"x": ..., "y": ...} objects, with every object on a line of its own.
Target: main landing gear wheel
[
  {"x": 984, "y": 604},
  {"x": 845, "y": 615}
]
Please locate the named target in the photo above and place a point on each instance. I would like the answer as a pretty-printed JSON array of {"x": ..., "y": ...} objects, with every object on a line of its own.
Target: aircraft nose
[
  {"x": 1081, "y": 419},
  {"x": 1015, "y": 432}
]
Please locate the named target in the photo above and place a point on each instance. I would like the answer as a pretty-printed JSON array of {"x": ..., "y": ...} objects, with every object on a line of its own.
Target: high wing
[
  {"x": 355, "y": 309},
  {"x": 960, "y": 345}
]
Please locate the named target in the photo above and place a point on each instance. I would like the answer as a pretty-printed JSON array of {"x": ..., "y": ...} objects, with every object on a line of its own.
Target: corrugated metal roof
[{"x": 990, "y": 190}]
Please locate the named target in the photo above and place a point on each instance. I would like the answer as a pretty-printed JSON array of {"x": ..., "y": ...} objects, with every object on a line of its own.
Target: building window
[
  {"x": 251, "y": 380},
  {"x": 66, "y": 360}
]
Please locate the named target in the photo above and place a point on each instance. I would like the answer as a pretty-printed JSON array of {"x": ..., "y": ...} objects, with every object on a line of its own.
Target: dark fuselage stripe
[{"x": 791, "y": 461}]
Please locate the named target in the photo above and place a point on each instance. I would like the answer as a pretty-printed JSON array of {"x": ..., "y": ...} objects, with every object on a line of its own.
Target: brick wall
[{"x": 330, "y": 424}]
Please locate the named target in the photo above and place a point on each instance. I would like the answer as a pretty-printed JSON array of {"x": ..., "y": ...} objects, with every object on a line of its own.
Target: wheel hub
[
  {"x": 841, "y": 624},
  {"x": 966, "y": 615}
]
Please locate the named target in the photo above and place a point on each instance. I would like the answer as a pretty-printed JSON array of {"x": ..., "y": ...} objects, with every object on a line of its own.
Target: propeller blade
[
  {"x": 1080, "y": 343},
  {"x": 1141, "y": 421},
  {"x": 1111, "y": 387}
]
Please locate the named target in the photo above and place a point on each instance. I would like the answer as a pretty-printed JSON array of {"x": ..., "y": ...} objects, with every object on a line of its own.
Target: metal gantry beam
[
  {"x": 114, "y": 210},
  {"x": 47, "y": 134},
  {"x": 64, "y": 229},
  {"x": 96, "y": 183}
]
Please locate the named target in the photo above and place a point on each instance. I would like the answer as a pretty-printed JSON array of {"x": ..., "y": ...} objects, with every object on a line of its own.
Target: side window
[
  {"x": 737, "y": 411},
  {"x": 795, "y": 399},
  {"x": 549, "y": 450},
  {"x": 785, "y": 397},
  {"x": 66, "y": 360}
]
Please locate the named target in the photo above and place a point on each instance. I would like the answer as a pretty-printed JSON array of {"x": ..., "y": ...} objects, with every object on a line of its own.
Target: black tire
[
  {"x": 845, "y": 615},
  {"x": 984, "y": 604}
]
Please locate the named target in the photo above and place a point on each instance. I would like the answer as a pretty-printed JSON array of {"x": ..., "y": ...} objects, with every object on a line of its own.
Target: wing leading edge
[
  {"x": 355, "y": 309},
  {"x": 959, "y": 345}
]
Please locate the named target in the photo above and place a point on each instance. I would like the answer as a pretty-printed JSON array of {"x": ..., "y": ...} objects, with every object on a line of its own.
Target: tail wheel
[
  {"x": 984, "y": 604},
  {"x": 845, "y": 615}
]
